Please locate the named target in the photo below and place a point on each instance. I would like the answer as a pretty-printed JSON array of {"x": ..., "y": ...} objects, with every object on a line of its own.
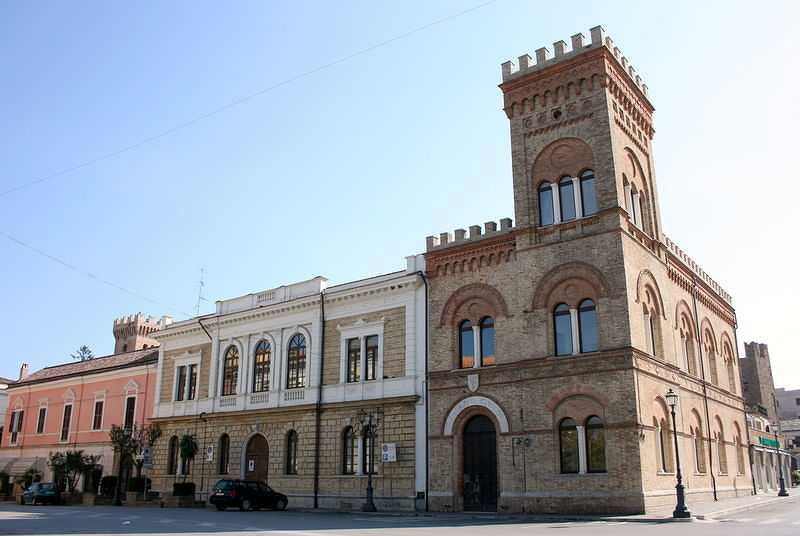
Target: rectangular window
[
  {"x": 353, "y": 360},
  {"x": 97, "y": 418},
  {"x": 41, "y": 420},
  {"x": 372, "y": 358},
  {"x": 191, "y": 392},
  {"x": 130, "y": 412},
  {"x": 66, "y": 422},
  {"x": 16, "y": 424},
  {"x": 180, "y": 383},
  {"x": 797, "y": 401}
]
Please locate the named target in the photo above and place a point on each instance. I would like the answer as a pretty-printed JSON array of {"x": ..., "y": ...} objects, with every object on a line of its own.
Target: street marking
[
  {"x": 770, "y": 521},
  {"x": 166, "y": 520},
  {"x": 207, "y": 524},
  {"x": 745, "y": 520}
]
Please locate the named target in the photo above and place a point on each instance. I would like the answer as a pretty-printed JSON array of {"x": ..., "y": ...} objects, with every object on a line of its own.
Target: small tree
[
  {"x": 188, "y": 448},
  {"x": 129, "y": 443},
  {"x": 69, "y": 466},
  {"x": 84, "y": 353}
]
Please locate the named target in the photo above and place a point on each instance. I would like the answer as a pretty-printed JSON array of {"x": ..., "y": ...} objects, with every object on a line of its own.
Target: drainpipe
[
  {"x": 426, "y": 393},
  {"x": 744, "y": 405},
  {"x": 705, "y": 389},
  {"x": 318, "y": 408}
]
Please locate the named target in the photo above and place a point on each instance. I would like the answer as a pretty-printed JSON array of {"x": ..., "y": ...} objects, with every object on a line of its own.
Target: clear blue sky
[{"x": 344, "y": 172}]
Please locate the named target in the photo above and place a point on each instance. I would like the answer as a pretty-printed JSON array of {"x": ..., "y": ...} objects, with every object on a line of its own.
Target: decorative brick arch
[
  {"x": 725, "y": 340},
  {"x": 560, "y": 396},
  {"x": 683, "y": 310},
  {"x": 473, "y": 302},
  {"x": 647, "y": 279},
  {"x": 467, "y": 406},
  {"x": 570, "y": 282},
  {"x": 706, "y": 327},
  {"x": 566, "y": 156}
]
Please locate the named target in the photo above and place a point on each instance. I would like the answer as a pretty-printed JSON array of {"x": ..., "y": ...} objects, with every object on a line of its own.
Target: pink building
[{"x": 73, "y": 406}]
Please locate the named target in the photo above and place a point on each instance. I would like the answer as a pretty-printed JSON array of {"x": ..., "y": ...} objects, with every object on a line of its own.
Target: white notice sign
[
  {"x": 251, "y": 465},
  {"x": 389, "y": 452}
]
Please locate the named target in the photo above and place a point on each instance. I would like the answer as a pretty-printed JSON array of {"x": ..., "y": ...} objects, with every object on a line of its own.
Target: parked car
[
  {"x": 246, "y": 495},
  {"x": 41, "y": 493}
]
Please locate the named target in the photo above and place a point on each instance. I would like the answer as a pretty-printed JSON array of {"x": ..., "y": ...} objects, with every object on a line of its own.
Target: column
[
  {"x": 576, "y": 186},
  {"x": 556, "y": 203},
  {"x": 362, "y": 356},
  {"x": 576, "y": 337},
  {"x": 581, "y": 449},
  {"x": 476, "y": 337}
]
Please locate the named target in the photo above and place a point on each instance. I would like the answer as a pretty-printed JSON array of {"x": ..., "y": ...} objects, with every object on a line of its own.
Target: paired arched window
[
  {"x": 739, "y": 454},
  {"x": 568, "y": 199},
  {"x": 368, "y": 449},
  {"x": 663, "y": 445},
  {"x": 296, "y": 362},
  {"x": 261, "y": 365},
  {"x": 687, "y": 345},
  {"x": 586, "y": 317},
  {"x": 467, "y": 343},
  {"x": 230, "y": 371},
  {"x": 730, "y": 366},
  {"x": 172, "y": 456},
  {"x": 595, "y": 445},
  {"x": 349, "y": 451},
  {"x": 652, "y": 327},
  {"x": 711, "y": 352},
  {"x": 291, "y": 453},
  {"x": 224, "y": 458},
  {"x": 568, "y": 446},
  {"x": 699, "y": 456},
  {"x": 562, "y": 323},
  {"x": 722, "y": 455}
]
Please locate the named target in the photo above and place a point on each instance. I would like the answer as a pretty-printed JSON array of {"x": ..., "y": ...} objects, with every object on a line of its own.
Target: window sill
[
  {"x": 665, "y": 473},
  {"x": 472, "y": 369},
  {"x": 578, "y": 475}
]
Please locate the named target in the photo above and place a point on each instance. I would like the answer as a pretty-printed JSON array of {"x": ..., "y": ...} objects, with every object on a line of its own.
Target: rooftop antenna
[{"x": 200, "y": 297}]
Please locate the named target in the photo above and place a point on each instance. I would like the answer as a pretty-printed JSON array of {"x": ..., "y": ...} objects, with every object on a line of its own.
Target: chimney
[{"x": 23, "y": 371}]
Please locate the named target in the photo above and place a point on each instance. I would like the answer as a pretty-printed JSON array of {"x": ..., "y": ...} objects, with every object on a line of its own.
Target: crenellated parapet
[
  {"x": 460, "y": 236},
  {"x": 695, "y": 268}
]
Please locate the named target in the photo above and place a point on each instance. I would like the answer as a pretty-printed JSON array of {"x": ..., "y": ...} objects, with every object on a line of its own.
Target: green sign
[{"x": 769, "y": 442}]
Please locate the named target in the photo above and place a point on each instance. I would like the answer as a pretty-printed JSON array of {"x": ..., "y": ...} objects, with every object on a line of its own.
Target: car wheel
[
  {"x": 33, "y": 501},
  {"x": 280, "y": 504},
  {"x": 246, "y": 505}
]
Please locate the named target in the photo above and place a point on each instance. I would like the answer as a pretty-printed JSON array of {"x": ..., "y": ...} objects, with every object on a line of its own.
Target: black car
[
  {"x": 246, "y": 495},
  {"x": 41, "y": 493}
]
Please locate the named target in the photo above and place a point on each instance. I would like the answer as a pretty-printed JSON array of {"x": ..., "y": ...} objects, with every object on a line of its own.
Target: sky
[{"x": 358, "y": 129}]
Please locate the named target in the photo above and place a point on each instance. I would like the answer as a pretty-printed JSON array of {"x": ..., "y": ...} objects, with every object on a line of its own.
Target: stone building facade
[
  {"x": 274, "y": 387},
  {"x": 554, "y": 340}
]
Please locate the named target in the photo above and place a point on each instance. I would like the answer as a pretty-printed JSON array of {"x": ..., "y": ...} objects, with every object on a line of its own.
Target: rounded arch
[
  {"x": 256, "y": 436},
  {"x": 574, "y": 279},
  {"x": 645, "y": 281},
  {"x": 708, "y": 333},
  {"x": 302, "y": 330},
  {"x": 476, "y": 402},
  {"x": 683, "y": 311},
  {"x": 565, "y": 156},
  {"x": 473, "y": 302},
  {"x": 579, "y": 407},
  {"x": 726, "y": 346}
]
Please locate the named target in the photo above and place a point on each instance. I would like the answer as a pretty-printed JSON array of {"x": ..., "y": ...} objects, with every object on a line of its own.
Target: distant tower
[
  {"x": 133, "y": 332},
  {"x": 757, "y": 383}
]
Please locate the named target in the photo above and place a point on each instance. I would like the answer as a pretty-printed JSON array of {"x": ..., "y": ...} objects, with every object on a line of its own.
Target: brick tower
[{"x": 132, "y": 332}]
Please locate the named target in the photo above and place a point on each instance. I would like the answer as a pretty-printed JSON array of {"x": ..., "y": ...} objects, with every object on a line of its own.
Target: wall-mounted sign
[
  {"x": 210, "y": 453},
  {"x": 251, "y": 465},
  {"x": 388, "y": 452},
  {"x": 769, "y": 442}
]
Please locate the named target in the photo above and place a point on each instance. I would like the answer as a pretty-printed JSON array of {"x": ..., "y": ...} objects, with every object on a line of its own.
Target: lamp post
[
  {"x": 782, "y": 492},
  {"x": 369, "y": 425},
  {"x": 680, "y": 512}
]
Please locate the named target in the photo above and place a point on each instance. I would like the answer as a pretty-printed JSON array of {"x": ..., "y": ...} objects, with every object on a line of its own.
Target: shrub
[
  {"x": 796, "y": 478},
  {"x": 107, "y": 485},
  {"x": 183, "y": 489},
  {"x": 138, "y": 484}
]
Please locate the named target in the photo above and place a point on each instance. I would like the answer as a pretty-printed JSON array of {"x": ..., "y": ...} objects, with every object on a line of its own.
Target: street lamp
[
  {"x": 681, "y": 512},
  {"x": 782, "y": 492},
  {"x": 369, "y": 425}
]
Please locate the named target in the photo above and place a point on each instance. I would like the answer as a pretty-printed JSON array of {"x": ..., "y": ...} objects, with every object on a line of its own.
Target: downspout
[
  {"x": 705, "y": 389},
  {"x": 427, "y": 405},
  {"x": 318, "y": 405},
  {"x": 744, "y": 406}
]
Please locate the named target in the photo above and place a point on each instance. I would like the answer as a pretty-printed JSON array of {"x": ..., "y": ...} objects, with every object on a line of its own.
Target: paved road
[{"x": 776, "y": 519}]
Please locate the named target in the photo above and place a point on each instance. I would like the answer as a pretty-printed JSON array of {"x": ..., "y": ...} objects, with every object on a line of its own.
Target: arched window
[
  {"x": 633, "y": 195},
  {"x": 566, "y": 197},
  {"x": 296, "y": 362},
  {"x": 727, "y": 356},
  {"x": 261, "y": 365},
  {"x": 487, "y": 341},
  {"x": 722, "y": 455},
  {"x": 466, "y": 344},
  {"x": 562, "y": 322},
  {"x": 687, "y": 343},
  {"x": 368, "y": 448},
  {"x": 699, "y": 457},
  {"x": 224, "y": 454},
  {"x": 230, "y": 371},
  {"x": 663, "y": 445},
  {"x": 349, "y": 449},
  {"x": 291, "y": 453},
  {"x": 546, "y": 213},
  {"x": 568, "y": 445},
  {"x": 587, "y": 326},
  {"x": 739, "y": 455},
  {"x": 712, "y": 357},
  {"x": 172, "y": 456},
  {"x": 595, "y": 445},
  {"x": 588, "y": 195}
]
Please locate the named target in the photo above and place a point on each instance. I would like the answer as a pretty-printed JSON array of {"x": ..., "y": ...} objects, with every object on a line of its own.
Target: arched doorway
[
  {"x": 480, "y": 465},
  {"x": 256, "y": 459}
]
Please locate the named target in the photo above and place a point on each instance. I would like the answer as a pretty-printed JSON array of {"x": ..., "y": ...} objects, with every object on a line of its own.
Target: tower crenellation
[
  {"x": 475, "y": 233},
  {"x": 525, "y": 64},
  {"x": 133, "y": 332}
]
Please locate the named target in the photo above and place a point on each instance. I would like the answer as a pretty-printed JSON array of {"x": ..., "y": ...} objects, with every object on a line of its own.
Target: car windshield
[
  {"x": 224, "y": 485},
  {"x": 47, "y": 487}
]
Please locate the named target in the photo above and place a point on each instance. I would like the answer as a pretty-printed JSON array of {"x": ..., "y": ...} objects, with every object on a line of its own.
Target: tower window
[
  {"x": 562, "y": 321},
  {"x": 566, "y": 194},
  {"x": 546, "y": 214},
  {"x": 466, "y": 344},
  {"x": 588, "y": 195}
]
